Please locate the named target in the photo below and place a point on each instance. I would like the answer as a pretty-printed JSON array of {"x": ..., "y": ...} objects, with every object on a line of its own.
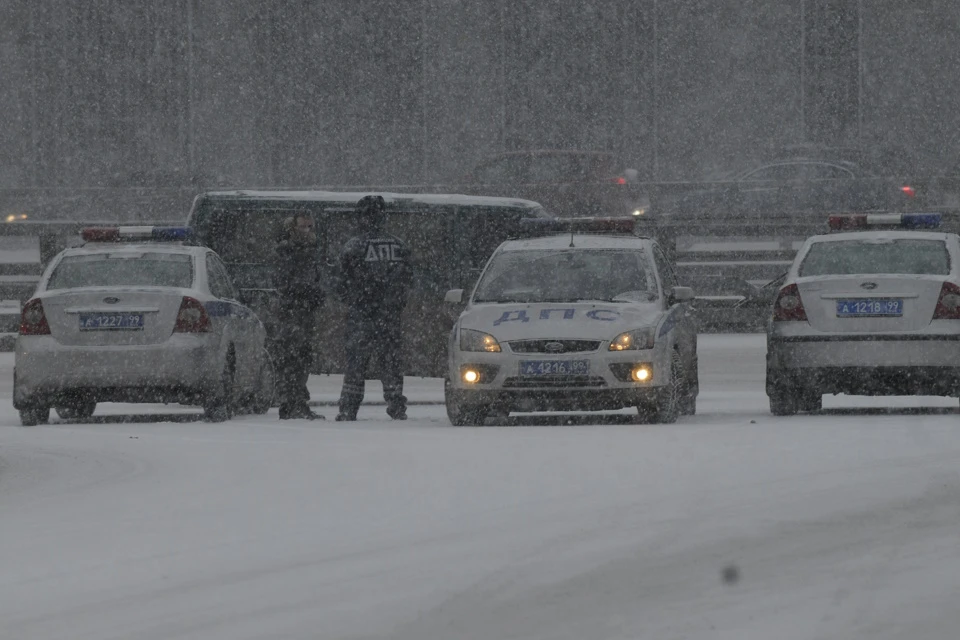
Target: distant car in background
[
  {"x": 798, "y": 185},
  {"x": 568, "y": 183}
]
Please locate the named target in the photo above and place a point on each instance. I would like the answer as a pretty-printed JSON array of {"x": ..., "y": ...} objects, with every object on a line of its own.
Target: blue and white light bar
[
  {"x": 135, "y": 234},
  {"x": 861, "y": 221}
]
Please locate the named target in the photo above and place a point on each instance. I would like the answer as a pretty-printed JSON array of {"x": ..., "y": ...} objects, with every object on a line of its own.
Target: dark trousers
[
  {"x": 294, "y": 357},
  {"x": 375, "y": 340}
]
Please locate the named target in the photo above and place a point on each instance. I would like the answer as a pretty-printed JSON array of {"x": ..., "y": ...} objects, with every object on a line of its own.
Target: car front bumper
[
  {"x": 182, "y": 367},
  {"x": 603, "y": 387}
]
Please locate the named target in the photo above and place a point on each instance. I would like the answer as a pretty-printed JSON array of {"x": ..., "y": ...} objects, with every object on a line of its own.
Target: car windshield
[
  {"x": 568, "y": 276},
  {"x": 123, "y": 269},
  {"x": 905, "y": 256}
]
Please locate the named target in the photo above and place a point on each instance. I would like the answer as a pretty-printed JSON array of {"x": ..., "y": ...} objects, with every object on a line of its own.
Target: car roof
[
  {"x": 579, "y": 240},
  {"x": 882, "y": 235},
  {"x": 352, "y": 197},
  {"x": 135, "y": 247}
]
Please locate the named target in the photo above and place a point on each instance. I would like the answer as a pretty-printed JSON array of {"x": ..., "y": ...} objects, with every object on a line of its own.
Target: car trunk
[
  {"x": 868, "y": 303},
  {"x": 112, "y": 317}
]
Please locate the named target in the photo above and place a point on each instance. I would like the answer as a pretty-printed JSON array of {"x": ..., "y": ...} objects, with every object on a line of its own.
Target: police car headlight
[
  {"x": 471, "y": 340},
  {"x": 634, "y": 340}
]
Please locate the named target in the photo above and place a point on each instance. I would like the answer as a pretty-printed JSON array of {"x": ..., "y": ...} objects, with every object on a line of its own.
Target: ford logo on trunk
[
  {"x": 554, "y": 347},
  {"x": 869, "y": 285},
  {"x": 111, "y": 300}
]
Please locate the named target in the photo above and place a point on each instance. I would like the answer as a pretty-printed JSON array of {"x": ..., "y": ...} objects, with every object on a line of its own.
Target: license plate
[
  {"x": 554, "y": 367},
  {"x": 869, "y": 308},
  {"x": 109, "y": 321}
]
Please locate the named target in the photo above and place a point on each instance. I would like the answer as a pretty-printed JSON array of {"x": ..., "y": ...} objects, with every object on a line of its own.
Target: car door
[
  {"x": 239, "y": 320},
  {"x": 685, "y": 324}
]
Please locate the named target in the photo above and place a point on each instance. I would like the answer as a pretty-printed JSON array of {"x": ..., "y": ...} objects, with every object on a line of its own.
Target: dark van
[{"x": 450, "y": 238}]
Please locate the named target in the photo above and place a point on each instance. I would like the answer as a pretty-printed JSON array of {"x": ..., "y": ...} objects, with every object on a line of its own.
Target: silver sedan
[
  {"x": 142, "y": 321},
  {"x": 871, "y": 312}
]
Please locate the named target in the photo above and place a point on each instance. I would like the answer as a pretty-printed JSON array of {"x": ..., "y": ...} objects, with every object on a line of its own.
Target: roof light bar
[
  {"x": 855, "y": 221},
  {"x": 540, "y": 226},
  {"x": 135, "y": 233}
]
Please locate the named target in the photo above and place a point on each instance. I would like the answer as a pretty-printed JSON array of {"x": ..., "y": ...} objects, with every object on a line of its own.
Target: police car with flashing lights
[
  {"x": 872, "y": 308},
  {"x": 136, "y": 314},
  {"x": 573, "y": 322}
]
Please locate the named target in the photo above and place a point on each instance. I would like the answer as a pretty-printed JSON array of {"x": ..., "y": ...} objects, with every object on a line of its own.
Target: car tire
[
  {"x": 666, "y": 409},
  {"x": 811, "y": 400},
  {"x": 33, "y": 415},
  {"x": 218, "y": 405},
  {"x": 783, "y": 402},
  {"x": 463, "y": 415},
  {"x": 76, "y": 411},
  {"x": 688, "y": 401}
]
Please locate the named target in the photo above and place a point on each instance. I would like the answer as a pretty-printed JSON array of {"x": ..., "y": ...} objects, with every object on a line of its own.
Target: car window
[
  {"x": 558, "y": 168},
  {"x": 610, "y": 275},
  {"x": 667, "y": 275},
  {"x": 502, "y": 170},
  {"x": 876, "y": 256},
  {"x": 792, "y": 171},
  {"x": 220, "y": 284},
  {"x": 123, "y": 269},
  {"x": 818, "y": 171}
]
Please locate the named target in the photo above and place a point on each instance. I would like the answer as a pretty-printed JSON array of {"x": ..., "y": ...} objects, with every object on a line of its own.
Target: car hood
[{"x": 560, "y": 320}]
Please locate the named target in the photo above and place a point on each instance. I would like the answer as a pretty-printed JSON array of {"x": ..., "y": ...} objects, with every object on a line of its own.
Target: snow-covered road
[{"x": 844, "y": 524}]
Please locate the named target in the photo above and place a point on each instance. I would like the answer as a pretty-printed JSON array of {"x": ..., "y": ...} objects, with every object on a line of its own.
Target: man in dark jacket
[
  {"x": 375, "y": 274},
  {"x": 300, "y": 295}
]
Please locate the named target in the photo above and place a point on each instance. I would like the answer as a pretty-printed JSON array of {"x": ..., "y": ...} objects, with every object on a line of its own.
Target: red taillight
[
  {"x": 789, "y": 306},
  {"x": 847, "y": 222},
  {"x": 620, "y": 180},
  {"x": 908, "y": 190},
  {"x": 33, "y": 321},
  {"x": 100, "y": 234},
  {"x": 948, "y": 304},
  {"x": 192, "y": 317}
]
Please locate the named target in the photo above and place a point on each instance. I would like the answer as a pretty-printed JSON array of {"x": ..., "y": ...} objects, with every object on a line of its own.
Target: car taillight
[
  {"x": 789, "y": 306},
  {"x": 948, "y": 304},
  {"x": 908, "y": 190},
  {"x": 33, "y": 321},
  {"x": 192, "y": 317}
]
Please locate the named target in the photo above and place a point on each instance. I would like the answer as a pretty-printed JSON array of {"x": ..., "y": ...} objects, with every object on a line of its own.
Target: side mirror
[
  {"x": 454, "y": 296},
  {"x": 680, "y": 294}
]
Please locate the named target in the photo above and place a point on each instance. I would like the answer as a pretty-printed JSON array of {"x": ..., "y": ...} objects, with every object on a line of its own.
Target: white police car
[
  {"x": 573, "y": 322},
  {"x": 871, "y": 310},
  {"x": 136, "y": 315}
]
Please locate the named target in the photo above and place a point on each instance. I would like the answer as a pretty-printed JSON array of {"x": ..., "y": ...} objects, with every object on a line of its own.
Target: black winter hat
[{"x": 372, "y": 206}]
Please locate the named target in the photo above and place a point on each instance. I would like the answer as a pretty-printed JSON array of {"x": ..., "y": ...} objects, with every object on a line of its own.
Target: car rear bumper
[
  {"x": 916, "y": 350},
  {"x": 874, "y": 365},
  {"x": 184, "y": 365}
]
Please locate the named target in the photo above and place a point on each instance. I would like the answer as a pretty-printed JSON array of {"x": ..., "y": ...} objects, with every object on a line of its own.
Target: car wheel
[
  {"x": 218, "y": 405},
  {"x": 34, "y": 415},
  {"x": 77, "y": 411},
  {"x": 463, "y": 415},
  {"x": 783, "y": 402},
  {"x": 666, "y": 409},
  {"x": 811, "y": 400}
]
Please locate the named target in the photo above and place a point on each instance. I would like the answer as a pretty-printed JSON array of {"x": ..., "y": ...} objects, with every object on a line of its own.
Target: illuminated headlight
[
  {"x": 634, "y": 340},
  {"x": 639, "y": 211},
  {"x": 641, "y": 373},
  {"x": 471, "y": 340}
]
